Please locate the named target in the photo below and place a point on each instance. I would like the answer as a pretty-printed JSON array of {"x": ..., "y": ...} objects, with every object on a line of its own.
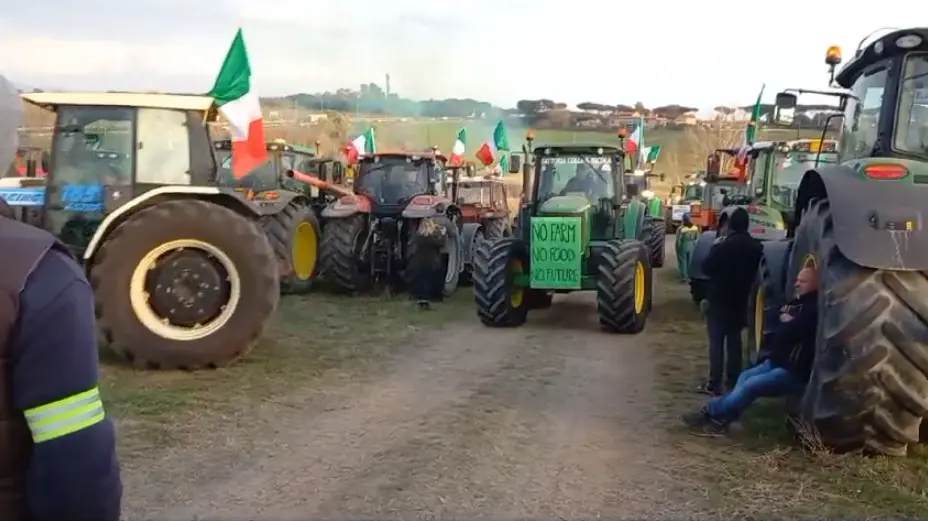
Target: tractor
[
  {"x": 682, "y": 195},
  {"x": 184, "y": 277},
  {"x": 775, "y": 170},
  {"x": 369, "y": 236},
  {"x": 719, "y": 190},
  {"x": 485, "y": 213},
  {"x": 581, "y": 228},
  {"x": 654, "y": 208},
  {"x": 29, "y": 162},
  {"x": 295, "y": 232},
  {"x": 861, "y": 223}
]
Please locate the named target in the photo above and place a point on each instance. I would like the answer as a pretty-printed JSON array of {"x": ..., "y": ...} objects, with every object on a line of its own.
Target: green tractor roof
[{"x": 577, "y": 148}]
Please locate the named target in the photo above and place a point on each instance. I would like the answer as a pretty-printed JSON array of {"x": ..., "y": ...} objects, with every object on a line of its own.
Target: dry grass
[
  {"x": 760, "y": 467},
  {"x": 317, "y": 340}
]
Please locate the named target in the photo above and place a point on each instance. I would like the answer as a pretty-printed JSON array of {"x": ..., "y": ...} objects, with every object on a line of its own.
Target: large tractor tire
[
  {"x": 623, "y": 287},
  {"x": 496, "y": 229},
  {"x": 766, "y": 298},
  {"x": 185, "y": 284},
  {"x": 869, "y": 383},
  {"x": 499, "y": 302},
  {"x": 656, "y": 238},
  {"x": 340, "y": 264},
  {"x": 452, "y": 255},
  {"x": 294, "y": 233}
]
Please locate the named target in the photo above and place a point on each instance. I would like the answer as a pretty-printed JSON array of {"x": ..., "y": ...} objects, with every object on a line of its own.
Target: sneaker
[
  {"x": 709, "y": 390},
  {"x": 696, "y": 419}
]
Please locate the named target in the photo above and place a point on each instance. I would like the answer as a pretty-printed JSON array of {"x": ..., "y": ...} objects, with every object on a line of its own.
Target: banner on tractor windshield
[{"x": 556, "y": 253}]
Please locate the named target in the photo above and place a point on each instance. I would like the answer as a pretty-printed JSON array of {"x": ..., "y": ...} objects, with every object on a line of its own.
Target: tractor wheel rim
[
  {"x": 140, "y": 296},
  {"x": 454, "y": 257},
  {"x": 639, "y": 287},
  {"x": 305, "y": 251}
]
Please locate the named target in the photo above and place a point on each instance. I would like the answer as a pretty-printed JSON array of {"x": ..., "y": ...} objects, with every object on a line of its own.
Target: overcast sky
[{"x": 701, "y": 53}]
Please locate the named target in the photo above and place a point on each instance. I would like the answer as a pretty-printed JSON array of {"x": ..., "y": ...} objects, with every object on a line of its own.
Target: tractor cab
[
  {"x": 108, "y": 148},
  {"x": 717, "y": 189},
  {"x": 269, "y": 176},
  {"x": 391, "y": 180}
]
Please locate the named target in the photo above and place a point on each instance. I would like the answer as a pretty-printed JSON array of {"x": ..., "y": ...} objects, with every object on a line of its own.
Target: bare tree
[{"x": 690, "y": 150}]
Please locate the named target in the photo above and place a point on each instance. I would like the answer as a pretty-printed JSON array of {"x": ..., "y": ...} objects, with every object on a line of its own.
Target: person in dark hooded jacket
[{"x": 731, "y": 267}]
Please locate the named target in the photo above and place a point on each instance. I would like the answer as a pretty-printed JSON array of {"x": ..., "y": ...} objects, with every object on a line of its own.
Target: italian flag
[
  {"x": 361, "y": 145},
  {"x": 457, "y": 151},
  {"x": 633, "y": 142},
  {"x": 651, "y": 153},
  {"x": 239, "y": 105},
  {"x": 750, "y": 133},
  {"x": 500, "y": 141}
]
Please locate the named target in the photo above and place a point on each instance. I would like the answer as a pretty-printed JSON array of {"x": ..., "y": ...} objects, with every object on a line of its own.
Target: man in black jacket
[
  {"x": 792, "y": 352},
  {"x": 731, "y": 266}
]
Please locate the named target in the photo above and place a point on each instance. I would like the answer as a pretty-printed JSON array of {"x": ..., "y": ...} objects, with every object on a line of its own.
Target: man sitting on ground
[{"x": 792, "y": 350}]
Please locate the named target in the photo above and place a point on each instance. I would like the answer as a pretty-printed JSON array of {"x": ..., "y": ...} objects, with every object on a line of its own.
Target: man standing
[
  {"x": 429, "y": 278},
  {"x": 792, "y": 353},
  {"x": 57, "y": 446},
  {"x": 687, "y": 235},
  {"x": 731, "y": 267}
]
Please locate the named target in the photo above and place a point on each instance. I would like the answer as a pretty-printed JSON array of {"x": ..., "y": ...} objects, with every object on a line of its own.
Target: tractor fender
[
  {"x": 422, "y": 206},
  {"x": 700, "y": 252},
  {"x": 347, "y": 206},
  {"x": 655, "y": 207},
  {"x": 469, "y": 232},
  {"x": 633, "y": 220},
  {"x": 877, "y": 224},
  {"x": 230, "y": 199}
]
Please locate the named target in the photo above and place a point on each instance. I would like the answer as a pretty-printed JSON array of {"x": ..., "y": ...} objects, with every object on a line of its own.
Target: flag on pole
[
  {"x": 750, "y": 133},
  {"x": 652, "y": 153},
  {"x": 504, "y": 164},
  {"x": 633, "y": 142},
  {"x": 364, "y": 144},
  {"x": 239, "y": 105},
  {"x": 457, "y": 151},
  {"x": 500, "y": 141}
]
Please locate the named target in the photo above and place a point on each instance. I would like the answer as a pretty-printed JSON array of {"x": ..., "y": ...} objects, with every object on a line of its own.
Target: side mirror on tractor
[
  {"x": 515, "y": 164},
  {"x": 785, "y": 110}
]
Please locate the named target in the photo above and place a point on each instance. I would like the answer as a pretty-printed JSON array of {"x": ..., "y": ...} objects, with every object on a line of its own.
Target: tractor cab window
[
  {"x": 758, "y": 172},
  {"x": 589, "y": 175},
  {"x": 93, "y": 146},
  {"x": 263, "y": 178},
  {"x": 862, "y": 115},
  {"x": 693, "y": 192},
  {"x": 911, "y": 134},
  {"x": 393, "y": 180},
  {"x": 474, "y": 193},
  {"x": 163, "y": 147}
]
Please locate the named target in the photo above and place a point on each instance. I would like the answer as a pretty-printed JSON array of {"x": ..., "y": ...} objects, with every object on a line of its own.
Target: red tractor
[
  {"x": 29, "y": 162},
  {"x": 369, "y": 235}
]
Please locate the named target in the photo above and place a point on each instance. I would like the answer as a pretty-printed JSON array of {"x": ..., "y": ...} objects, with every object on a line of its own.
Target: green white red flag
[
  {"x": 240, "y": 106},
  {"x": 364, "y": 144},
  {"x": 459, "y": 147},
  {"x": 500, "y": 141}
]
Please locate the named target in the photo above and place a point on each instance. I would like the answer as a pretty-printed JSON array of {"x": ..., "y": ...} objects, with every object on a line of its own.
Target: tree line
[{"x": 371, "y": 98}]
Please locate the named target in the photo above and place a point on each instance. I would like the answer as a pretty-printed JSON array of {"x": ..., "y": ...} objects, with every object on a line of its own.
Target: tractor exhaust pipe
[{"x": 296, "y": 175}]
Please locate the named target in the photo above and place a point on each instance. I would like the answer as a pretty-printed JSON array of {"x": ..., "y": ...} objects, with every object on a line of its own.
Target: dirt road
[{"x": 552, "y": 420}]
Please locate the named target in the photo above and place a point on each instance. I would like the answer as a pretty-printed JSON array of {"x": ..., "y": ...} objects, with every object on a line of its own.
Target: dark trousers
[
  {"x": 429, "y": 284},
  {"x": 724, "y": 347}
]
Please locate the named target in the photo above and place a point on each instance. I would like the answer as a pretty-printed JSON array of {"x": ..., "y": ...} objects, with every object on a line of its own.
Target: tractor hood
[
  {"x": 565, "y": 204},
  {"x": 766, "y": 223}
]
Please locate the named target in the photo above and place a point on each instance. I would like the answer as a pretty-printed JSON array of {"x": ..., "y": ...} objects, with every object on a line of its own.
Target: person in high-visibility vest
[
  {"x": 58, "y": 452},
  {"x": 687, "y": 234}
]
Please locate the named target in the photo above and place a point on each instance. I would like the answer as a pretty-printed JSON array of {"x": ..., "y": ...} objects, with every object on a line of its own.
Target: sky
[{"x": 659, "y": 52}]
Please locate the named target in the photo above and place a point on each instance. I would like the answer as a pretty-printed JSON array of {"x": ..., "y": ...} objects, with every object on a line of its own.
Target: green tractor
[
  {"x": 306, "y": 181},
  {"x": 182, "y": 273},
  {"x": 861, "y": 223},
  {"x": 654, "y": 212},
  {"x": 578, "y": 231}
]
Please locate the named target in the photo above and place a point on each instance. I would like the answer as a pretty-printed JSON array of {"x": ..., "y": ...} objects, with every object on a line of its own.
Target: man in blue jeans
[
  {"x": 792, "y": 352},
  {"x": 731, "y": 267}
]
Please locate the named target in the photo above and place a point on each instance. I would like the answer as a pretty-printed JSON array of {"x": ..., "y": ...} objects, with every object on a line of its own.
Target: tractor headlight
[{"x": 647, "y": 194}]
